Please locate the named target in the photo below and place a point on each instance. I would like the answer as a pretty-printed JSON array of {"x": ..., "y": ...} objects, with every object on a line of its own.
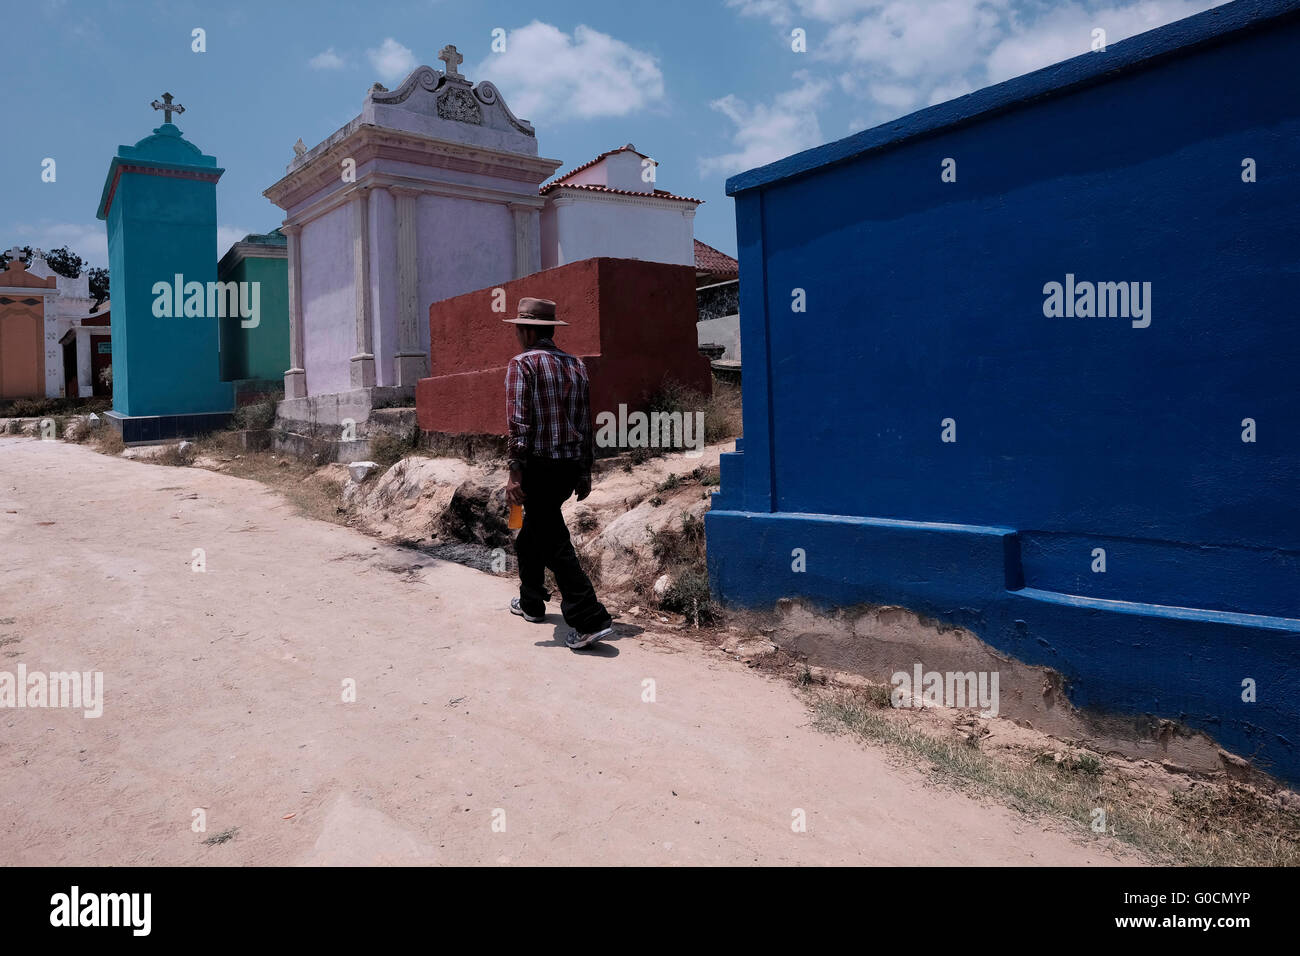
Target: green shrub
[
  {"x": 259, "y": 415},
  {"x": 689, "y": 595}
]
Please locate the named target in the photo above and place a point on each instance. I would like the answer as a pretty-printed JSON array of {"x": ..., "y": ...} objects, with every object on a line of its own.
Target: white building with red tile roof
[{"x": 610, "y": 206}]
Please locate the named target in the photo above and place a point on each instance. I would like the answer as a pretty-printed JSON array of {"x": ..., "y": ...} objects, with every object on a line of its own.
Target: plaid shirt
[{"x": 548, "y": 405}]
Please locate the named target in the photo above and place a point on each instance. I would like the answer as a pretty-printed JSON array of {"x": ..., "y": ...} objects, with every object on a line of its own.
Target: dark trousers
[{"x": 543, "y": 542}]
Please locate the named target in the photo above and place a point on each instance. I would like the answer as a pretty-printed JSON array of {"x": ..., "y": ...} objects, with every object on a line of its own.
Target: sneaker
[
  {"x": 531, "y": 618},
  {"x": 575, "y": 641}
]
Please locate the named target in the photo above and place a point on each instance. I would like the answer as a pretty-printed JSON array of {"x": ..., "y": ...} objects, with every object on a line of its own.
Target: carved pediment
[{"x": 428, "y": 96}]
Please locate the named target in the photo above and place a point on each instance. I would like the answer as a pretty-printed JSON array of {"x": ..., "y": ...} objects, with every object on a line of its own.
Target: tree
[
  {"x": 65, "y": 262},
  {"x": 98, "y": 284}
]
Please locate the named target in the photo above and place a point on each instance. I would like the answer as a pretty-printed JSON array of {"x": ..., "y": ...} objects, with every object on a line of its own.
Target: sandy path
[{"x": 223, "y": 691}]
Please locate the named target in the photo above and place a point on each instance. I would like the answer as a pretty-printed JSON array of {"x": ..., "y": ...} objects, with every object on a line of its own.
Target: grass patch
[
  {"x": 679, "y": 552},
  {"x": 45, "y": 407},
  {"x": 683, "y": 546},
  {"x": 721, "y": 408},
  {"x": 466, "y": 447},
  {"x": 108, "y": 441},
  {"x": 689, "y": 595},
  {"x": 1207, "y": 825},
  {"x": 706, "y": 477},
  {"x": 721, "y": 418},
  {"x": 173, "y": 456},
  {"x": 669, "y": 483}
]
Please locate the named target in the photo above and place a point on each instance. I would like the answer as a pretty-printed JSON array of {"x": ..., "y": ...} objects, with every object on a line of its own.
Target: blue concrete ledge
[{"x": 1121, "y": 657}]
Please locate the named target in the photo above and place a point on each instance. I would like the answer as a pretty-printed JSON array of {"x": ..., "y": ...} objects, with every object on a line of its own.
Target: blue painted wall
[
  {"x": 160, "y": 206},
  {"x": 925, "y": 302}
]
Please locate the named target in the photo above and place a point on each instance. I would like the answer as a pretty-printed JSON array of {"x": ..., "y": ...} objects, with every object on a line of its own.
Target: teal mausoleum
[
  {"x": 160, "y": 206},
  {"x": 254, "y": 357}
]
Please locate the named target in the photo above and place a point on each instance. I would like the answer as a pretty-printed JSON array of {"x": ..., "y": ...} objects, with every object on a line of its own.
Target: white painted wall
[
  {"x": 619, "y": 171},
  {"x": 464, "y": 245},
  {"x": 577, "y": 225},
  {"x": 62, "y": 312},
  {"x": 329, "y": 301},
  {"x": 724, "y": 330},
  {"x": 383, "y": 284}
]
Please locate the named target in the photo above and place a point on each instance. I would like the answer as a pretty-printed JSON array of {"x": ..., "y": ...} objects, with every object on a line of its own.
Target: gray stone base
[
  {"x": 410, "y": 367},
  {"x": 323, "y": 441},
  {"x": 319, "y": 450},
  {"x": 295, "y": 383},
  {"x": 362, "y": 370},
  {"x": 339, "y": 407}
]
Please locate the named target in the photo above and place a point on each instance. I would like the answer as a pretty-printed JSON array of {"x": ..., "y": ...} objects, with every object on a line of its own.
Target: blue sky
[{"x": 708, "y": 88}]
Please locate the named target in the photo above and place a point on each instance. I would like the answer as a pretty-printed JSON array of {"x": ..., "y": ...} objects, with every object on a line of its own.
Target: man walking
[{"x": 548, "y": 408}]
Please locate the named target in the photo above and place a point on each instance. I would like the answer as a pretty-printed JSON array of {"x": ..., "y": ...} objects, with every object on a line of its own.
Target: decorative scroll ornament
[
  {"x": 489, "y": 96},
  {"x": 426, "y": 78}
]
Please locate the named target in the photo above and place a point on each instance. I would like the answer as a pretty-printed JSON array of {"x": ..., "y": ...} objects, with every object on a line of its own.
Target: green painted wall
[
  {"x": 162, "y": 222},
  {"x": 263, "y": 350}
]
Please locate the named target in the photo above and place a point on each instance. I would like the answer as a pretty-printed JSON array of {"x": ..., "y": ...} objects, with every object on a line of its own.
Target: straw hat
[{"x": 539, "y": 312}]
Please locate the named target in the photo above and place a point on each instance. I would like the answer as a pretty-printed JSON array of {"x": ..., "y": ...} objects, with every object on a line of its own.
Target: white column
[
  {"x": 295, "y": 379},
  {"x": 411, "y": 363},
  {"x": 363, "y": 363},
  {"x": 85, "y": 384},
  {"x": 528, "y": 253}
]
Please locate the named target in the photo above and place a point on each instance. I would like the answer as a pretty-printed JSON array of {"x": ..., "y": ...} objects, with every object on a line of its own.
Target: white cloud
[
  {"x": 779, "y": 12},
  {"x": 949, "y": 91},
  {"x": 227, "y": 236},
  {"x": 328, "y": 60},
  {"x": 899, "y": 97},
  {"x": 1066, "y": 31},
  {"x": 894, "y": 56},
  {"x": 767, "y": 132},
  {"x": 88, "y": 240},
  {"x": 546, "y": 74},
  {"x": 391, "y": 60}
]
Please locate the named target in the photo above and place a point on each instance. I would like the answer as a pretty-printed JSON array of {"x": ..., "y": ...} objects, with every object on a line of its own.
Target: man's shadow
[{"x": 602, "y": 648}]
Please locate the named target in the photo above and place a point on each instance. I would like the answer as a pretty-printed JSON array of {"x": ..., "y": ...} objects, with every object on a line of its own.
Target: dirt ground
[{"x": 475, "y": 737}]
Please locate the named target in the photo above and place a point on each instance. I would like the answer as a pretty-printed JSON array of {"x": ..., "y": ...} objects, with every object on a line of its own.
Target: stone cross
[
  {"x": 168, "y": 107},
  {"x": 15, "y": 255},
  {"x": 452, "y": 58}
]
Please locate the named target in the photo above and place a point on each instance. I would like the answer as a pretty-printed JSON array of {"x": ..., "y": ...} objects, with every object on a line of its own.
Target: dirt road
[{"x": 474, "y": 738}]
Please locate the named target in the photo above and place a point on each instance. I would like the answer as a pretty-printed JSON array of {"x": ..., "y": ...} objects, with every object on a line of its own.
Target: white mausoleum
[
  {"x": 435, "y": 190},
  {"x": 611, "y": 207},
  {"x": 429, "y": 193},
  {"x": 65, "y": 306}
]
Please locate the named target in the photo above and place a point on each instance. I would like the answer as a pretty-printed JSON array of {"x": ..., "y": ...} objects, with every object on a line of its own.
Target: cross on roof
[
  {"x": 168, "y": 107},
  {"x": 452, "y": 58},
  {"x": 15, "y": 254}
]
